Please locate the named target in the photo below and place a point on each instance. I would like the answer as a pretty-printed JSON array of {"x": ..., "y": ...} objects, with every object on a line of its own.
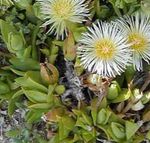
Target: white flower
[
  {"x": 60, "y": 13},
  {"x": 137, "y": 30},
  {"x": 104, "y": 50}
]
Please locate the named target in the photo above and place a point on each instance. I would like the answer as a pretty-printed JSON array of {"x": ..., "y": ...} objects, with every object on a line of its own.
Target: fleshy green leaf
[
  {"x": 103, "y": 116},
  {"x": 64, "y": 129},
  {"x": 25, "y": 64},
  {"x": 123, "y": 96},
  {"x": 40, "y": 106},
  {"x": 118, "y": 130},
  {"x": 13, "y": 101},
  {"x": 27, "y": 82},
  {"x": 35, "y": 96},
  {"x": 131, "y": 129}
]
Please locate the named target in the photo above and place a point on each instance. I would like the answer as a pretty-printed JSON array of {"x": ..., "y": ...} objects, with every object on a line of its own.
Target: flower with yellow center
[
  {"x": 104, "y": 50},
  {"x": 60, "y": 13},
  {"x": 137, "y": 29}
]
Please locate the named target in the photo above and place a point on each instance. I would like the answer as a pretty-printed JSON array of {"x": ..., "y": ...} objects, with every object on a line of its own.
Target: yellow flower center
[
  {"x": 105, "y": 49},
  {"x": 138, "y": 41},
  {"x": 62, "y": 9}
]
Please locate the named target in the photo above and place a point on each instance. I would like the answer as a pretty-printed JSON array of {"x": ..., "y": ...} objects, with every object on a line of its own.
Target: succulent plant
[{"x": 77, "y": 71}]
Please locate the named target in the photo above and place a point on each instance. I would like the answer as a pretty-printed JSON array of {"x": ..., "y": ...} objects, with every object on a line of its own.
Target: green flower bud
[
  {"x": 4, "y": 88},
  {"x": 112, "y": 92},
  {"x": 60, "y": 89},
  {"x": 118, "y": 130}
]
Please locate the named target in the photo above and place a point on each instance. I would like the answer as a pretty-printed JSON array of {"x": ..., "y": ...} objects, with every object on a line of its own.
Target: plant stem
[
  {"x": 117, "y": 11},
  {"x": 34, "y": 50}
]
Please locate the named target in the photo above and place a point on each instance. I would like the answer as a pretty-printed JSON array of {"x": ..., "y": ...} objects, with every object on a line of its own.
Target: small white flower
[
  {"x": 59, "y": 13},
  {"x": 105, "y": 51},
  {"x": 137, "y": 30}
]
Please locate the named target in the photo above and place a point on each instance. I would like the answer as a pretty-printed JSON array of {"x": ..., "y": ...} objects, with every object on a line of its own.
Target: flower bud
[
  {"x": 49, "y": 73},
  {"x": 60, "y": 89},
  {"x": 112, "y": 92}
]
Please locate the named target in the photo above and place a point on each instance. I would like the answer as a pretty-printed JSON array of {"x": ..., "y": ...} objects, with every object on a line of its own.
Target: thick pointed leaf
[
  {"x": 131, "y": 129},
  {"x": 123, "y": 96},
  {"x": 30, "y": 84},
  {"x": 12, "y": 102},
  {"x": 35, "y": 96},
  {"x": 25, "y": 64}
]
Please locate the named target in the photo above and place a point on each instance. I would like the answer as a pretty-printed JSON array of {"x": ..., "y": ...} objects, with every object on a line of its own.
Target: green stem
[
  {"x": 117, "y": 11},
  {"x": 125, "y": 10},
  {"x": 34, "y": 35},
  {"x": 97, "y": 6}
]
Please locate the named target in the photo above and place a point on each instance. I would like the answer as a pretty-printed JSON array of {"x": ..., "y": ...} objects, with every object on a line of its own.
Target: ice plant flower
[
  {"x": 104, "y": 50},
  {"x": 60, "y": 13},
  {"x": 137, "y": 30}
]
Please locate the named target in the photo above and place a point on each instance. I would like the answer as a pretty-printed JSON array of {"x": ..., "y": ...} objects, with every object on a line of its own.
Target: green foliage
[{"x": 32, "y": 77}]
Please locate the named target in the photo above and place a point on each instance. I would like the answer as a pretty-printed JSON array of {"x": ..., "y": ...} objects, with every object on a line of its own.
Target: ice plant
[
  {"x": 60, "y": 13},
  {"x": 137, "y": 30},
  {"x": 104, "y": 50}
]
